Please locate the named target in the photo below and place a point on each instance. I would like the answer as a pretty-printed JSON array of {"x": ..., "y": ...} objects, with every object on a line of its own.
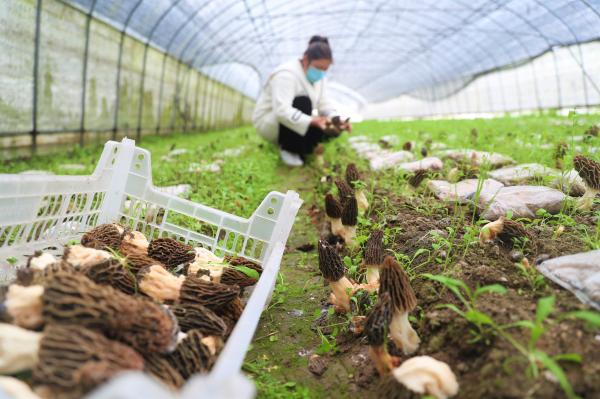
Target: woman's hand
[{"x": 320, "y": 122}]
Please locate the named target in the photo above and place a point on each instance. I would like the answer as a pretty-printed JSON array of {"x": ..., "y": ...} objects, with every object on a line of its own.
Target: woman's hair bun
[{"x": 318, "y": 39}]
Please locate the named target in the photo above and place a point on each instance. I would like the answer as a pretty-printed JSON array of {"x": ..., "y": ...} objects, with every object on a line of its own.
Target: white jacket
[{"x": 274, "y": 105}]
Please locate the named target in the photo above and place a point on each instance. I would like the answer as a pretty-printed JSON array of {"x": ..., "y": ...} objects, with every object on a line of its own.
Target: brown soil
[{"x": 491, "y": 367}]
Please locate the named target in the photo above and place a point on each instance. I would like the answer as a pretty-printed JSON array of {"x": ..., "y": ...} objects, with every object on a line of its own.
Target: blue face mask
[{"x": 314, "y": 74}]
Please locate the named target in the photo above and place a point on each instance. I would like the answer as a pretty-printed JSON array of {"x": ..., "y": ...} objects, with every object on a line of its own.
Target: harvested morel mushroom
[
  {"x": 231, "y": 276},
  {"x": 171, "y": 252},
  {"x": 57, "y": 354},
  {"x": 112, "y": 272},
  {"x": 353, "y": 178},
  {"x": 158, "y": 283},
  {"x": 134, "y": 242},
  {"x": 333, "y": 210},
  {"x": 73, "y": 359},
  {"x": 75, "y": 299},
  {"x": 349, "y": 221},
  {"x": 373, "y": 255},
  {"x": 230, "y": 314},
  {"x": 158, "y": 366},
  {"x": 425, "y": 375},
  {"x": 104, "y": 236},
  {"x": 345, "y": 192},
  {"x": 193, "y": 316},
  {"x": 24, "y": 305},
  {"x": 80, "y": 256},
  {"x": 376, "y": 330},
  {"x": 333, "y": 270},
  {"x": 207, "y": 261},
  {"x": 191, "y": 355},
  {"x": 589, "y": 170},
  {"x": 137, "y": 261},
  {"x": 241, "y": 261},
  {"x": 395, "y": 282}
]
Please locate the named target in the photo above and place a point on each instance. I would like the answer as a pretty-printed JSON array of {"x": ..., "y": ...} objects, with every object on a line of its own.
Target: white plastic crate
[{"x": 39, "y": 211}]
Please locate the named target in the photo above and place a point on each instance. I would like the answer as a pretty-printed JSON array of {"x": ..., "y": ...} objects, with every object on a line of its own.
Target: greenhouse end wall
[{"x": 69, "y": 77}]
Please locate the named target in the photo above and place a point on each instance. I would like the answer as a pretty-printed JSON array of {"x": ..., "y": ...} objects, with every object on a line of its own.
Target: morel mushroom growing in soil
[
  {"x": 333, "y": 210},
  {"x": 333, "y": 271},
  {"x": 589, "y": 170},
  {"x": 75, "y": 299},
  {"x": 376, "y": 330},
  {"x": 349, "y": 221},
  {"x": 506, "y": 231},
  {"x": 373, "y": 256},
  {"x": 171, "y": 252},
  {"x": 425, "y": 375},
  {"x": 60, "y": 355},
  {"x": 345, "y": 192},
  {"x": 354, "y": 180},
  {"x": 319, "y": 151},
  {"x": 394, "y": 281}
]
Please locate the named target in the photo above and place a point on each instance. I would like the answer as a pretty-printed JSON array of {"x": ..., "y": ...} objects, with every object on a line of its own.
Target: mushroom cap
[
  {"x": 374, "y": 248},
  {"x": 377, "y": 323},
  {"x": 104, "y": 236},
  {"x": 212, "y": 295},
  {"x": 330, "y": 263},
  {"x": 231, "y": 276},
  {"x": 171, "y": 252},
  {"x": 333, "y": 208},
  {"x": 350, "y": 212},
  {"x": 394, "y": 280},
  {"x": 231, "y": 313},
  {"x": 191, "y": 356},
  {"x": 345, "y": 192},
  {"x": 157, "y": 365},
  {"x": 65, "y": 349},
  {"x": 407, "y": 146},
  {"x": 241, "y": 261},
  {"x": 589, "y": 170},
  {"x": 112, "y": 272},
  {"x": 417, "y": 178},
  {"x": 424, "y": 374},
  {"x": 513, "y": 229},
  {"x": 193, "y": 316},
  {"x": 137, "y": 261},
  {"x": 352, "y": 174},
  {"x": 320, "y": 149}
]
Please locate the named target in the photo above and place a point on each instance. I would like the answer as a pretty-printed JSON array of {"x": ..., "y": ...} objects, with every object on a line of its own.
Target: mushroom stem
[
  {"x": 336, "y": 226},
  {"x": 348, "y": 234},
  {"x": 372, "y": 274},
  {"x": 342, "y": 292},
  {"x": 24, "y": 304},
  {"x": 402, "y": 333},
  {"x": 490, "y": 231},
  {"x": 381, "y": 358},
  {"x": 587, "y": 200},
  {"x": 156, "y": 282},
  {"x": 361, "y": 199},
  {"x": 18, "y": 348}
]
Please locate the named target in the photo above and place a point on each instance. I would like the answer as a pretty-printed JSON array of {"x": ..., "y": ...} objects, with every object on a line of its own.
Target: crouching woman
[{"x": 284, "y": 110}]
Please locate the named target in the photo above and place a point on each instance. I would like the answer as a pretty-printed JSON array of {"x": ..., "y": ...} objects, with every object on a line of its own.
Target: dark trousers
[{"x": 291, "y": 141}]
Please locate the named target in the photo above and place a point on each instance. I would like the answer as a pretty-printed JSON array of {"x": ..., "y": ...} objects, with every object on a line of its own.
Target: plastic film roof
[{"x": 381, "y": 49}]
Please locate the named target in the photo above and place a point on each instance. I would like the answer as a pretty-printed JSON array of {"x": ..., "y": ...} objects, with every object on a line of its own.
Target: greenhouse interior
[{"x": 245, "y": 199}]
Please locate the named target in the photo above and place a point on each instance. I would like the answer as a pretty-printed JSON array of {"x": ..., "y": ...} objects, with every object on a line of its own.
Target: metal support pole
[
  {"x": 119, "y": 66},
  {"x": 36, "y": 65},
  {"x": 88, "y": 22}
]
